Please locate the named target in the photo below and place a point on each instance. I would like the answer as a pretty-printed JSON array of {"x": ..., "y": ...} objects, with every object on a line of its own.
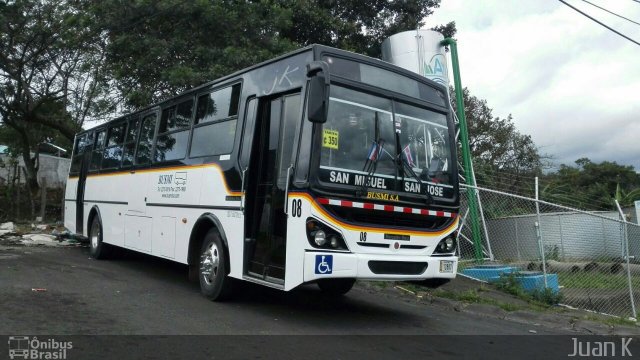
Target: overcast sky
[{"x": 570, "y": 83}]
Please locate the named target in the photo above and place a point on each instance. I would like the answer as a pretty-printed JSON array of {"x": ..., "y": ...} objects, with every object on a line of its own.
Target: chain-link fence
[{"x": 595, "y": 256}]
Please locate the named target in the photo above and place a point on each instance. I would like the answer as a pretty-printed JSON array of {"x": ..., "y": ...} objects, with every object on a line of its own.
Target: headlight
[
  {"x": 320, "y": 238},
  {"x": 334, "y": 241},
  {"x": 323, "y": 237},
  {"x": 446, "y": 245}
]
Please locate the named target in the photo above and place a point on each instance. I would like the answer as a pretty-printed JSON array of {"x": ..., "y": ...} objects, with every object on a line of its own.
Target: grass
[
  {"x": 595, "y": 280},
  {"x": 474, "y": 297},
  {"x": 609, "y": 320},
  {"x": 544, "y": 297},
  {"x": 542, "y": 301}
]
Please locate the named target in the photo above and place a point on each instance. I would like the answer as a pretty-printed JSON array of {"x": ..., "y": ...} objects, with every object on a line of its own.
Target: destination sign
[{"x": 376, "y": 183}]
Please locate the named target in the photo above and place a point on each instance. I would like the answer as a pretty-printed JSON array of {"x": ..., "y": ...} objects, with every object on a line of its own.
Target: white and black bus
[{"x": 318, "y": 166}]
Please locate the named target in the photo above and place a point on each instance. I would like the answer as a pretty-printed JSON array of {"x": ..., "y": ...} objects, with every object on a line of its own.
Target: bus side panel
[
  {"x": 108, "y": 193},
  {"x": 215, "y": 191}
]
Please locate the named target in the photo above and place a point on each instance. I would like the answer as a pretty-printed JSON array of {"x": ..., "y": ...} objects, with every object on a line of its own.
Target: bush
[
  {"x": 510, "y": 284},
  {"x": 546, "y": 296}
]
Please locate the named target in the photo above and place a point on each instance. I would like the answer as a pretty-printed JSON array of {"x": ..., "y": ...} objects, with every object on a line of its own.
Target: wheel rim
[
  {"x": 95, "y": 235},
  {"x": 210, "y": 263}
]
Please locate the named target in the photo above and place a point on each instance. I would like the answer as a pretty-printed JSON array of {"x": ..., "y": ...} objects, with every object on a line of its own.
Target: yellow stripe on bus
[{"x": 182, "y": 167}]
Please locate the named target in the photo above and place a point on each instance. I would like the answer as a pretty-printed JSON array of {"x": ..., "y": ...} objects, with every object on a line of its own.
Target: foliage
[
  {"x": 48, "y": 83},
  {"x": 509, "y": 283},
  {"x": 356, "y": 25},
  {"x": 597, "y": 184},
  {"x": 499, "y": 151},
  {"x": 159, "y": 48}
]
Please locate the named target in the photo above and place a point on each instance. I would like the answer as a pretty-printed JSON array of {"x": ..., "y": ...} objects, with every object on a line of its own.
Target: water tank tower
[{"x": 418, "y": 51}]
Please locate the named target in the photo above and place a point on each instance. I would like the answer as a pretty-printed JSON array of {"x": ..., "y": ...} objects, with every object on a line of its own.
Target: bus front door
[
  {"x": 82, "y": 180},
  {"x": 265, "y": 218}
]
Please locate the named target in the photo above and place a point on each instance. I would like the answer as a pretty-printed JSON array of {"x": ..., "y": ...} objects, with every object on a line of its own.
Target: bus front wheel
[
  {"x": 215, "y": 284},
  {"x": 336, "y": 286}
]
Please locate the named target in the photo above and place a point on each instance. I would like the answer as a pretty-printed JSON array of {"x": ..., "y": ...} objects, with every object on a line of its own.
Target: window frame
[
  {"x": 131, "y": 119},
  {"x": 105, "y": 147},
  {"x": 236, "y": 117},
  {"x": 95, "y": 147},
  {"x": 142, "y": 115},
  {"x": 173, "y": 104}
]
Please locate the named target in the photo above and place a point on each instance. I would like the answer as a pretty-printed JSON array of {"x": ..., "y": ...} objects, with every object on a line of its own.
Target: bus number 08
[{"x": 296, "y": 208}]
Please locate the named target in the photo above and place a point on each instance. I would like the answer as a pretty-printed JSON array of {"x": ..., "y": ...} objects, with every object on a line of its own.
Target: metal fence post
[
  {"x": 626, "y": 249},
  {"x": 561, "y": 237},
  {"x": 484, "y": 222},
  {"x": 517, "y": 241},
  {"x": 539, "y": 233}
]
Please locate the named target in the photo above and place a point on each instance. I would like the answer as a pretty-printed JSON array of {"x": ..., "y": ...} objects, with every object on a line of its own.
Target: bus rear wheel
[
  {"x": 336, "y": 287},
  {"x": 97, "y": 248},
  {"x": 215, "y": 283}
]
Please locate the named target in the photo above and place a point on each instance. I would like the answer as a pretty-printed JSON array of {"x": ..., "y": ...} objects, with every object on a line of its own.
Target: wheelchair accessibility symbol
[{"x": 324, "y": 264}]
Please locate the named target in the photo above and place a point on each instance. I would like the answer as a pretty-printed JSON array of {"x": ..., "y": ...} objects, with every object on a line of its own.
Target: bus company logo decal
[
  {"x": 25, "y": 347},
  {"x": 172, "y": 185},
  {"x": 324, "y": 264},
  {"x": 382, "y": 196}
]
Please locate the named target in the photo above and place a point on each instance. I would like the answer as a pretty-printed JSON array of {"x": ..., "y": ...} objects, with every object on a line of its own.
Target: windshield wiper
[
  {"x": 371, "y": 163},
  {"x": 407, "y": 166}
]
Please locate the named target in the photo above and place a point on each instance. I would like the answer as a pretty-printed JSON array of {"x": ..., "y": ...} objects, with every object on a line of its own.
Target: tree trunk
[{"x": 30, "y": 192}]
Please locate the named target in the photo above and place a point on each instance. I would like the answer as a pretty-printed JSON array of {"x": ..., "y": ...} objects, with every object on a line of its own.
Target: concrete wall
[
  {"x": 566, "y": 236},
  {"x": 54, "y": 169}
]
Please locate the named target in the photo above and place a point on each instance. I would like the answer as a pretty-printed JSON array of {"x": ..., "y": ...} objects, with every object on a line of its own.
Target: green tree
[
  {"x": 160, "y": 48},
  {"x": 592, "y": 186},
  {"x": 157, "y": 48},
  {"x": 356, "y": 25},
  {"x": 49, "y": 84},
  {"x": 502, "y": 156}
]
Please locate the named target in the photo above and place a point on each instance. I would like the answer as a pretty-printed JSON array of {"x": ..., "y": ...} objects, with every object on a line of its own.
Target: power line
[
  {"x": 611, "y": 12},
  {"x": 615, "y": 31}
]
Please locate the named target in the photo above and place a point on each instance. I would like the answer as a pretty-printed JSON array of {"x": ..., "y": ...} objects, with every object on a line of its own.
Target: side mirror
[
  {"x": 318, "y": 72},
  {"x": 317, "y": 111}
]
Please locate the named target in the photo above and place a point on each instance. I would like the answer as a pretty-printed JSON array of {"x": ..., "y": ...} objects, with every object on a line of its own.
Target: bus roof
[{"x": 317, "y": 50}]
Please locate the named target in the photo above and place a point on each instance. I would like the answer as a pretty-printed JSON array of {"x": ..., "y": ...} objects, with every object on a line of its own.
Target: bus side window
[
  {"x": 145, "y": 141},
  {"x": 112, "y": 154},
  {"x": 96, "y": 155},
  {"x": 130, "y": 142},
  {"x": 215, "y": 125},
  {"x": 173, "y": 135}
]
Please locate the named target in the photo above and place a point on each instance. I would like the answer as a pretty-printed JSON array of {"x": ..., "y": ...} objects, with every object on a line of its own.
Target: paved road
[{"x": 136, "y": 294}]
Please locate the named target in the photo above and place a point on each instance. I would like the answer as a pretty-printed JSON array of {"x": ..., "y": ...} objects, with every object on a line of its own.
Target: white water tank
[{"x": 418, "y": 51}]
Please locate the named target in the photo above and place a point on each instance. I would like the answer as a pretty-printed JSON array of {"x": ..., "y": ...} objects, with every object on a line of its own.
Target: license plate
[{"x": 446, "y": 266}]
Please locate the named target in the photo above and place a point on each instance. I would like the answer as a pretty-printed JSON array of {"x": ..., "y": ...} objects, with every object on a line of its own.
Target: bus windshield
[{"x": 371, "y": 135}]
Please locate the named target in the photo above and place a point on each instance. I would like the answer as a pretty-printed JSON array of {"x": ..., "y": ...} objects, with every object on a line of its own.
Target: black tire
[
  {"x": 97, "y": 248},
  {"x": 336, "y": 287},
  {"x": 213, "y": 268}
]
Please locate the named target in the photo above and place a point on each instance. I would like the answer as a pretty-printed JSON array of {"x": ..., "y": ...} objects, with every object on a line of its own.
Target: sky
[{"x": 571, "y": 84}]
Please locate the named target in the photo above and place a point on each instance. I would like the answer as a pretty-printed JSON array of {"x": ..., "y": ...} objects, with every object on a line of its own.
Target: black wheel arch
[
  {"x": 95, "y": 211},
  {"x": 205, "y": 222}
]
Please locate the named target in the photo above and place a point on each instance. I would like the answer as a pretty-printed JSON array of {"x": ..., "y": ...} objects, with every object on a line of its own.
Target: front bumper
[{"x": 322, "y": 265}]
